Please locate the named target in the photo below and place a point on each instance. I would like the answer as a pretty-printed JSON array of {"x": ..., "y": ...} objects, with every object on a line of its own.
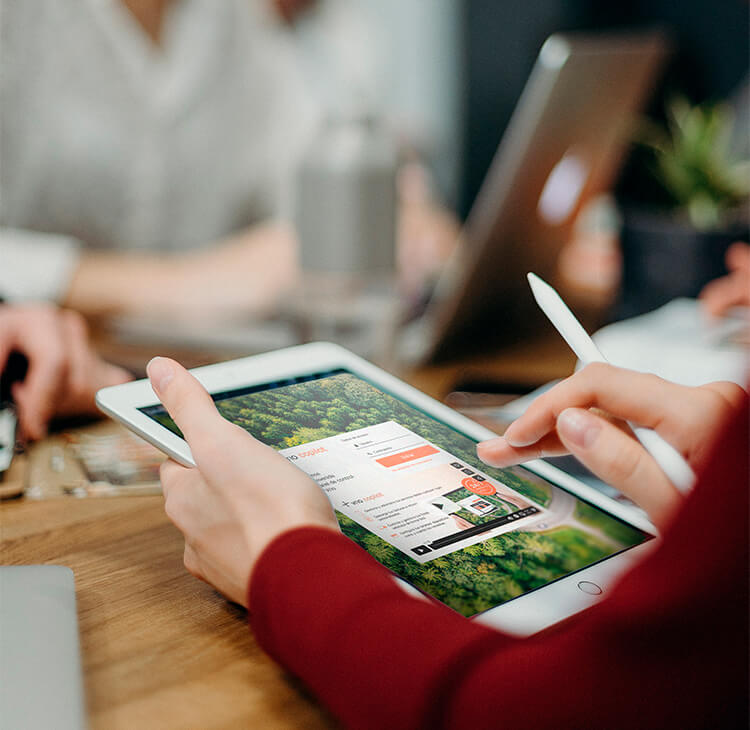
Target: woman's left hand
[{"x": 241, "y": 495}]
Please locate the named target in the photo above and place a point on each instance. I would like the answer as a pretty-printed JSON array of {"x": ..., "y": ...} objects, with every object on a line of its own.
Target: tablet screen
[{"x": 411, "y": 491}]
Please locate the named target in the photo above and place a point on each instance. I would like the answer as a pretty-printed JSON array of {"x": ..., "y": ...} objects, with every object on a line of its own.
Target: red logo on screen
[{"x": 483, "y": 488}]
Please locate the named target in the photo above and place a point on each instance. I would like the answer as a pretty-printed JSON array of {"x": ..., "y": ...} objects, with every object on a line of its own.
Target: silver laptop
[
  {"x": 563, "y": 146},
  {"x": 41, "y": 683}
]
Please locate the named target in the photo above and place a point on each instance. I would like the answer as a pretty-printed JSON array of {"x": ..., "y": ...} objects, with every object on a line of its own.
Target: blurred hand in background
[
  {"x": 732, "y": 290},
  {"x": 64, "y": 372}
]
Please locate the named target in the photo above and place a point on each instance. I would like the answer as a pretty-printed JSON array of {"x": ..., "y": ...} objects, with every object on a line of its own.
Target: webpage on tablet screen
[{"x": 411, "y": 490}]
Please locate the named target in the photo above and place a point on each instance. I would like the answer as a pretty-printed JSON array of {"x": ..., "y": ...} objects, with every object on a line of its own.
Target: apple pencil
[{"x": 666, "y": 456}]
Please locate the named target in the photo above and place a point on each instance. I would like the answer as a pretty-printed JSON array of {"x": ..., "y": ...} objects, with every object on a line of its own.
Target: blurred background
[
  {"x": 247, "y": 174},
  {"x": 710, "y": 61},
  {"x": 209, "y": 179}
]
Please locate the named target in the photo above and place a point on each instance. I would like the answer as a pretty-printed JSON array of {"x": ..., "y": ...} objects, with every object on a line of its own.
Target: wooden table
[{"x": 161, "y": 649}]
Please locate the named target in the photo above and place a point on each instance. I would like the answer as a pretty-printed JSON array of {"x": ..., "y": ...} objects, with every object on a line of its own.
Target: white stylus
[{"x": 666, "y": 456}]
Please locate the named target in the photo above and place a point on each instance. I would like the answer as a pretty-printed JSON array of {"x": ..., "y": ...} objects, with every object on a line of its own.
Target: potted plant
[{"x": 675, "y": 248}]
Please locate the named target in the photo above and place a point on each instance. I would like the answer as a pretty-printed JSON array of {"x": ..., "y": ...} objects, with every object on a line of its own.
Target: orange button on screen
[
  {"x": 405, "y": 456},
  {"x": 483, "y": 488}
]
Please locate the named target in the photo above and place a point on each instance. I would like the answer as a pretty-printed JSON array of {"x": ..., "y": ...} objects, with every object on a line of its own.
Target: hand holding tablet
[
  {"x": 511, "y": 547},
  {"x": 228, "y": 507},
  {"x": 315, "y": 436}
]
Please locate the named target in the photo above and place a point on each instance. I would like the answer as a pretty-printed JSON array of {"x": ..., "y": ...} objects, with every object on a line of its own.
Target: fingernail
[
  {"x": 511, "y": 437},
  {"x": 487, "y": 451},
  {"x": 159, "y": 373},
  {"x": 578, "y": 426},
  {"x": 483, "y": 445}
]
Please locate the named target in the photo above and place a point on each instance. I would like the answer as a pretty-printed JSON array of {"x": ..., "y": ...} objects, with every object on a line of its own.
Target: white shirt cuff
[{"x": 36, "y": 266}]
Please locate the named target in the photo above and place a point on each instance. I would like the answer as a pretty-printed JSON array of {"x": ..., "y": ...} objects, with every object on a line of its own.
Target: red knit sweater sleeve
[{"x": 668, "y": 648}]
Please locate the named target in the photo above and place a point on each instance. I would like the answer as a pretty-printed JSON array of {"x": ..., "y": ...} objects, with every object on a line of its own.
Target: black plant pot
[{"x": 664, "y": 258}]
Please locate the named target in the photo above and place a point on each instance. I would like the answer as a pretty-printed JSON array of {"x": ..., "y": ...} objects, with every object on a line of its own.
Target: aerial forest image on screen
[{"x": 572, "y": 535}]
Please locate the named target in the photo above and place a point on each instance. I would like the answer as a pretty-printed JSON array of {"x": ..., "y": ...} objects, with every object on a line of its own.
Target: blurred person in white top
[
  {"x": 145, "y": 147},
  {"x": 146, "y": 153}
]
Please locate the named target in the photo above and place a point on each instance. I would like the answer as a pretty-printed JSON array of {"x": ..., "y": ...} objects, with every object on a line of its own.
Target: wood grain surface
[{"x": 159, "y": 648}]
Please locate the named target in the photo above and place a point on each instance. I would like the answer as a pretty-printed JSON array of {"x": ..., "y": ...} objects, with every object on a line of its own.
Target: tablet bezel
[{"x": 520, "y": 616}]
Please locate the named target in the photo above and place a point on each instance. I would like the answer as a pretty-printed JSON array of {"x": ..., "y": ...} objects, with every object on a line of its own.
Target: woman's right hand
[{"x": 585, "y": 415}]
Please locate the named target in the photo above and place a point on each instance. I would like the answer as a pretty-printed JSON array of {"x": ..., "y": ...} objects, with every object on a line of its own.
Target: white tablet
[{"x": 518, "y": 548}]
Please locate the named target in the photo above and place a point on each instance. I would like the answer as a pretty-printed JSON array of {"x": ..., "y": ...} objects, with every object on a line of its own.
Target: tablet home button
[{"x": 588, "y": 587}]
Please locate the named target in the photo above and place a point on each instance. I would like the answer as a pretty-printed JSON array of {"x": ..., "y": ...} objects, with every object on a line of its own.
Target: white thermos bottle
[
  {"x": 346, "y": 222},
  {"x": 346, "y": 198}
]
